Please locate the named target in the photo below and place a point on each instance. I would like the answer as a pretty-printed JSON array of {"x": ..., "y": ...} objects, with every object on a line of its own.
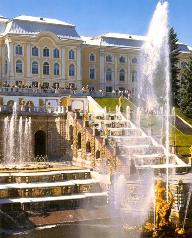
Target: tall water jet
[
  {"x": 154, "y": 84},
  {"x": 17, "y": 145}
]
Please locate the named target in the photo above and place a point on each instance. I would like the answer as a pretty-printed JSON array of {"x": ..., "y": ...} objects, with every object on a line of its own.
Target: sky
[{"x": 95, "y": 17}]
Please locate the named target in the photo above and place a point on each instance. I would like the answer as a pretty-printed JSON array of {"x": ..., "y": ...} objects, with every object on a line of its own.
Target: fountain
[
  {"x": 141, "y": 153},
  {"x": 17, "y": 146}
]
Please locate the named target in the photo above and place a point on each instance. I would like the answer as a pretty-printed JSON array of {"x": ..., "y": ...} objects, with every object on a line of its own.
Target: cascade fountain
[
  {"x": 153, "y": 100},
  {"x": 17, "y": 146},
  {"x": 154, "y": 82}
]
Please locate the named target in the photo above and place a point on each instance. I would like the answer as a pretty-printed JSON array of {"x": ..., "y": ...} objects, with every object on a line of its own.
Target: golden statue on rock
[{"x": 163, "y": 207}]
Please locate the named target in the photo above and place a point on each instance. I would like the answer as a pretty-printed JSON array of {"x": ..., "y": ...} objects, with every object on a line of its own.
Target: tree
[
  {"x": 185, "y": 92},
  {"x": 174, "y": 70}
]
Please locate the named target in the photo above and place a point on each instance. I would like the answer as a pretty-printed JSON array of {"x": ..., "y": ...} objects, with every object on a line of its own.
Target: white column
[
  {"x": 10, "y": 66},
  {"x": 129, "y": 73},
  {"x": 63, "y": 64},
  {"x": 28, "y": 62},
  {"x": 102, "y": 71},
  {"x": 115, "y": 83},
  {"x": 78, "y": 77}
]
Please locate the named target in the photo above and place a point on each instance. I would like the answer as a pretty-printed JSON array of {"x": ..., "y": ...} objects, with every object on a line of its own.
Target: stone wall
[{"x": 54, "y": 127}]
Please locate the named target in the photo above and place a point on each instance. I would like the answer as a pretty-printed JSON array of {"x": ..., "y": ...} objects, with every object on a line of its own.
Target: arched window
[
  {"x": 56, "y": 69},
  {"x": 19, "y": 50},
  {"x": 40, "y": 143},
  {"x": 134, "y": 76},
  {"x": 79, "y": 141},
  {"x": 134, "y": 60},
  {"x": 34, "y": 67},
  {"x": 6, "y": 66},
  {"x": 46, "y": 68},
  {"x": 35, "y": 51},
  {"x": 71, "y": 70},
  {"x": 56, "y": 53},
  {"x": 98, "y": 154},
  {"x": 91, "y": 57},
  {"x": 109, "y": 58},
  {"x": 19, "y": 66},
  {"x": 108, "y": 75},
  {"x": 46, "y": 52},
  {"x": 122, "y": 59},
  {"x": 71, "y": 54},
  {"x": 122, "y": 75},
  {"x": 88, "y": 147},
  {"x": 92, "y": 73}
]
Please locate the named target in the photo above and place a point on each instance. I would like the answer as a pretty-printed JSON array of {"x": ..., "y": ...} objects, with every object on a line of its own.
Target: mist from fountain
[
  {"x": 187, "y": 206},
  {"x": 17, "y": 146},
  {"x": 135, "y": 197},
  {"x": 154, "y": 81}
]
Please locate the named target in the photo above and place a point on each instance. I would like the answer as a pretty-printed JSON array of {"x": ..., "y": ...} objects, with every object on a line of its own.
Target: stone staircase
[{"x": 50, "y": 190}]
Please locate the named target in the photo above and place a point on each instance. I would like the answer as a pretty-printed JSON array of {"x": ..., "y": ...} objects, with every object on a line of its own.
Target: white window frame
[
  {"x": 21, "y": 66},
  {"x": 90, "y": 57},
  {"x": 46, "y": 66},
  {"x": 69, "y": 71},
  {"x": 17, "y": 50},
  {"x": 121, "y": 56},
  {"x": 109, "y": 62},
  {"x": 69, "y": 54},
  {"x": 58, "y": 73},
  {"x": 46, "y": 48},
  {"x": 35, "y": 47},
  {"x": 58, "y": 52},
  {"x": 92, "y": 68},
  {"x": 37, "y": 67}
]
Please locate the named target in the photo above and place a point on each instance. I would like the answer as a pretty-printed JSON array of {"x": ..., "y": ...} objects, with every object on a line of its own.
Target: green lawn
[
  {"x": 186, "y": 118},
  {"x": 111, "y": 103},
  {"x": 183, "y": 141}
]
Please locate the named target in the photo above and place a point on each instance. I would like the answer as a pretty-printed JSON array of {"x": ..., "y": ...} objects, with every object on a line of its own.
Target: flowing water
[
  {"x": 154, "y": 81},
  {"x": 17, "y": 146},
  {"x": 154, "y": 88}
]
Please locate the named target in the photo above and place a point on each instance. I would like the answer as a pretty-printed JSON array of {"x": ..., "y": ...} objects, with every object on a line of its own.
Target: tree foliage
[
  {"x": 185, "y": 92},
  {"x": 174, "y": 70}
]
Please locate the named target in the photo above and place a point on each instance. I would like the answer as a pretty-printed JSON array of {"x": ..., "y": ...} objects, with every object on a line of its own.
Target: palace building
[
  {"x": 40, "y": 51},
  {"x": 43, "y": 52}
]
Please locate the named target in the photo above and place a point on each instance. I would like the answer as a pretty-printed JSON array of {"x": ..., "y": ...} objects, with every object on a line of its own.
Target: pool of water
[{"x": 86, "y": 230}]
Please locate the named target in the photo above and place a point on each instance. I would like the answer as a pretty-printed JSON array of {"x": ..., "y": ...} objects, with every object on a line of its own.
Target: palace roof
[
  {"x": 183, "y": 48},
  {"x": 115, "y": 39},
  {"x": 125, "y": 40},
  {"x": 28, "y": 25}
]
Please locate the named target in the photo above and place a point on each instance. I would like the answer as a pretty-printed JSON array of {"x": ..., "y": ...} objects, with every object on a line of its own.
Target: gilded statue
[
  {"x": 106, "y": 132},
  {"x": 86, "y": 116},
  {"x": 162, "y": 205},
  {"x": 69, "y": 101}
]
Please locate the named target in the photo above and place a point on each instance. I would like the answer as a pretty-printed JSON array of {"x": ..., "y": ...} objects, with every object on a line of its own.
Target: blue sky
[{"x": 93, "y": 17}]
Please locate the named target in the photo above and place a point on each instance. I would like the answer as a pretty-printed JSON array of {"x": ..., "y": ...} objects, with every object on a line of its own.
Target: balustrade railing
[{"x": 33, "y": 109}]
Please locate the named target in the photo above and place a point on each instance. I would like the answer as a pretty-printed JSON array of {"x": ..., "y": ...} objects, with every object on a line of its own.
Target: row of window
[
  {"x": 122, "y": 59},
  {"x": 46, "y": 52},
  {"x": 109, "y": 75},
  {"x": 109, "y": 59},
  {"x": 56, "y": 54},
  {"x": 46, "y": 68}
]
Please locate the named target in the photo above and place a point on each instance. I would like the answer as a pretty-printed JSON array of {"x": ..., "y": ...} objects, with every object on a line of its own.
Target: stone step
[
  {"x": 52, "y": 198},
  {"x": 139, "y": 149},
  {"x": 131, "y": 140}
]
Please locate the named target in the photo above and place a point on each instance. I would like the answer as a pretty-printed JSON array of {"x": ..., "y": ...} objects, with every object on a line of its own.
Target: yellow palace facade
[{"x": 36, "y": 51}]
